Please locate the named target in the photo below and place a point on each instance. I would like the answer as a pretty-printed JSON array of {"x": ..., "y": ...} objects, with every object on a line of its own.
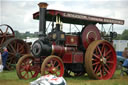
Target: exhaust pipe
[{"x": 42, "y": 19}]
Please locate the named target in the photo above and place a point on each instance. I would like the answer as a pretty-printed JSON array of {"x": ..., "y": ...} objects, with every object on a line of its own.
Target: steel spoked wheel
[
  {"x": 16, "y": 49},
  {"x": 52, "y": 65},
  {"x": 6, "y": 32},
  {"x": 26, "y": 69},
  {"x": 100, "y": 60}
]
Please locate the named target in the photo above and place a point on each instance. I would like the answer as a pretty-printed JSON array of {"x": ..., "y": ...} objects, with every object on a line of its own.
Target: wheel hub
[
  {"x": 18, "y": 55},
  {"x": 103, "y": 60},
  {"x": 53, "y": 70},
  {"x": 27, "y": 68}
]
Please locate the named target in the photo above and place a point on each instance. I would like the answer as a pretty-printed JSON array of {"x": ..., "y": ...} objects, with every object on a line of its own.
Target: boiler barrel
[{"x": 41, "y": 49}]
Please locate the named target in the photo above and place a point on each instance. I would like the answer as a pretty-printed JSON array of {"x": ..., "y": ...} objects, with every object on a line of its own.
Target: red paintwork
[
  {"x": 67, "y": 58},
  {"x": 72, "y": 40},
  {"x": 78, "y": 57},
  {"x": 73, "y": 57},
  {"x": 90, "y": 34},
  {"x": 60, "y": 50}
]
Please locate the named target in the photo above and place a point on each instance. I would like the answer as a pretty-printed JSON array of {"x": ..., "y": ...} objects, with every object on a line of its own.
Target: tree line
[
  {"x": 25, "y": 35},
  {"x": 123, "y": 36}
]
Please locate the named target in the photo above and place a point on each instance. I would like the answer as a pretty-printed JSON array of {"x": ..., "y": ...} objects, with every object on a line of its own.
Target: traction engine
[{"x": 73, "y": 53}]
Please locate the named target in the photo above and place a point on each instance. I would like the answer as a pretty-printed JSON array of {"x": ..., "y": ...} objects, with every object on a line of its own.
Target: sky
[{"x": 18, "y": 13}]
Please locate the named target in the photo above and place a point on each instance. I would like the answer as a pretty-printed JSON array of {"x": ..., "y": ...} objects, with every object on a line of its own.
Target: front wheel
[
  {"x": 100, "y": 60},
  {"x": 52, "y": 65},
  {"x": 26, "y": 69}
]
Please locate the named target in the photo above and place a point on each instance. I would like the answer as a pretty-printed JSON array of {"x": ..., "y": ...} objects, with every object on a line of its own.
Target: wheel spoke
[
  {"x": 110, "y": 62},
  {"x": 22, "y": 66},
  {"x": 21, "y": 49},
  {"x": 2, "y": 40},
  {"x": 12, "y": 48},
  {"x": 52, "y": 63},
  {"x": 17, "y": 49},
  {"x": 96, "y": 63},
  {"x": 25, "y": 73},
  {"x": 99, "y": 50},
  {"x": 31, "y": 73},
  {"x": 98, "y": 69},
  {"x": 1, "y": 31},
  {"x": 108, "y": 52},
  {"x": 108, "y": 57},
  {"x": 57, "y": 66},
  {"x": 95, "y": 68},
  {"x": 101, "y": 75},
  {"x": 107, "y": 66},
  {"x": 106, "y": 70},
  {"x": 94, "y": 59},
  {"x": 103, "y": 69},
  {"x": 28, "y": 75},
  {"x": 6, "y": 30},
  {"x": 103, "y": 47},
  {"x": 96, "y": 56},
  {"x": 11, "y": 53},
  {"x": 15, "y": 45},
  {"x": 57, "y": 73}
]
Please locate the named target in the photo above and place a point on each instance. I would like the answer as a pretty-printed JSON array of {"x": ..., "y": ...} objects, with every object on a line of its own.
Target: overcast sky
[{"x": 18, "y": 13}]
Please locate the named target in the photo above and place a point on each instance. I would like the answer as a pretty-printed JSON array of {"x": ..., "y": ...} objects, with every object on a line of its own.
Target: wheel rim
[
  {"x": 26, "y": 69},
  {"x": 6, "y": 32},
  {"x": 16, "y": 49},
  {"x": 100, "y": 60},
  {"x": 52, "y": 65}
]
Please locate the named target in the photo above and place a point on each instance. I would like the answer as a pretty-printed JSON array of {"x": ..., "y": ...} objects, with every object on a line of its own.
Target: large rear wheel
[
  {"x": 100, "y": 60},
  {"x": 16, "y": 49}
]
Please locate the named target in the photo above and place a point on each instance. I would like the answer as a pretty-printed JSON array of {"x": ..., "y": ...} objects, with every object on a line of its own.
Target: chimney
[{"x": 42, "y": 18}]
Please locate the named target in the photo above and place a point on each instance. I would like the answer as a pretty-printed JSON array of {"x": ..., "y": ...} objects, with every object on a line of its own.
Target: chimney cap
[{"x": 43, "y": 5}]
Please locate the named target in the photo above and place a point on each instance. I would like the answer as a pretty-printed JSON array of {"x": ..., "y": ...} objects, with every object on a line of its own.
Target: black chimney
[{"x": 42, "y": 18}]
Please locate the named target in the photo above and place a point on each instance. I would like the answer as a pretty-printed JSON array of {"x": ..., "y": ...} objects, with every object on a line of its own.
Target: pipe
[{"x": 42, "y": 18}]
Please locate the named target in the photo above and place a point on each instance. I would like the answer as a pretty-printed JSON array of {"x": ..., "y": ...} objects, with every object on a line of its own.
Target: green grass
[{"x": 10, "y": 78}]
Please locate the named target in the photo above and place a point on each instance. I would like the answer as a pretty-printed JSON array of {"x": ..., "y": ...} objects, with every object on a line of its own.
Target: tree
[
  {"x": 118, "y": 37},
  {"x": 124, "y": 35}
]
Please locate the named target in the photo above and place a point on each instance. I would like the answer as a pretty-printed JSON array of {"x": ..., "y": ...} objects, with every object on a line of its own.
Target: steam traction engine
[{"x": 72, "y": 53}]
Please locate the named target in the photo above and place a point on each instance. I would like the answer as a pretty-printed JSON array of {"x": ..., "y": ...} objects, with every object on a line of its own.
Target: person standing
[
  {"x": 125, "y": 55},
  {"x": 1, "y": 66},
  {"x": 4, "y": 56}
]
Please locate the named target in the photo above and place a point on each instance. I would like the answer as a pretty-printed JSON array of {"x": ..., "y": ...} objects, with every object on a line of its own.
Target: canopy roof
[{"x": 77, "y": 18}]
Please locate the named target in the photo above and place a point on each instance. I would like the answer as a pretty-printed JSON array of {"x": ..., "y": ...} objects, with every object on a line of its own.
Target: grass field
[{"x": 10, "y": 78}]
